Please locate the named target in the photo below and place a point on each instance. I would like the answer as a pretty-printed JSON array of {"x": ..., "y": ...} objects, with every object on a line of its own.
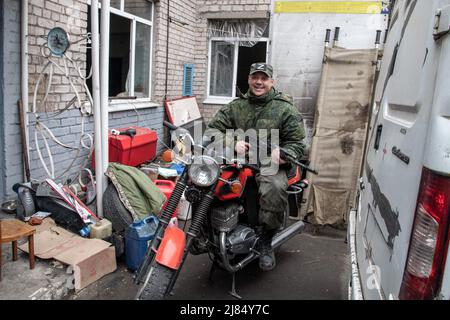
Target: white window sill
[
  {"x": 126, "y": 104},
  {"x": 221, "y": 100}
]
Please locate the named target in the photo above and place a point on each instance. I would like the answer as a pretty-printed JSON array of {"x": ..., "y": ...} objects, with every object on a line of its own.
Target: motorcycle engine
[
  {"x": 241, "y": 240},
  {"x": 225, "y": 218}
]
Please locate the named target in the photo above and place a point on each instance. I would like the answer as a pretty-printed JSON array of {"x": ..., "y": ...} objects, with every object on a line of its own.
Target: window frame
[
  {"x": 210, "y": 99},
  {"x": 133, "y": 20}
]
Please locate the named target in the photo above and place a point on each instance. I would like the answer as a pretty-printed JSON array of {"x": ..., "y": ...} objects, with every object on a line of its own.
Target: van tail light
[{"x": 429, "y": 241}]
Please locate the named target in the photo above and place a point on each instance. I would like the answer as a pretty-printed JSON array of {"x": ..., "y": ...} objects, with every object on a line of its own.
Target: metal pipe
[
  {"x": 385, "y": 36},
  {"x": 167, "y": 50},
  {"x": 327, "y": 38},
  {"x": 287, "y": 234},
  {"x": 377, "y": 39},
  {"x": 96, "y": 106},
  {"x": 104, "y": 90},
  {"x": 226, "y": 262},
  {"x": 336, "y": 36},
  {"x": 24, "y": 84},
  {"x": 355, "y": 291}
]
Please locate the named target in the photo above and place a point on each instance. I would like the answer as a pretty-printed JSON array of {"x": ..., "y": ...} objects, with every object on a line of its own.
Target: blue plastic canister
[{"x": 137, "y": 237}]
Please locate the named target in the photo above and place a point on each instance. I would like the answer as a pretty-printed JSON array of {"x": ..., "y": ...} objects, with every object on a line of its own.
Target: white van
[{"x": 399, "y": 233}]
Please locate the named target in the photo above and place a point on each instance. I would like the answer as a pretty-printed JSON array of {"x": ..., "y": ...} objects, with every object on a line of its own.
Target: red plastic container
[
  {"x": 132, "y": 151},
  {"x": 166, "y": 186}
]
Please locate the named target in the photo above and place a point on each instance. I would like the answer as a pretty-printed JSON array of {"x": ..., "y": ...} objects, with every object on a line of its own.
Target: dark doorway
[
  {"x": 246, "y": 57},
  {"x": 119, "y": 62}
]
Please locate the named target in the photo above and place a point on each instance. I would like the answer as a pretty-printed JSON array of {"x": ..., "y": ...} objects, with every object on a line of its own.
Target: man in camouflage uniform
[{"x": 263, "y": 107}]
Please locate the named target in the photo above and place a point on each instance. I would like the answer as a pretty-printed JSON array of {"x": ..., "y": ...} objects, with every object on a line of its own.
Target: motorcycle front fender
[{"x": 171, "y": 249}]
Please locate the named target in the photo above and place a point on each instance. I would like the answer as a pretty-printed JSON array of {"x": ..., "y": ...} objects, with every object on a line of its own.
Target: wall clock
[{"x": 58, "y": 41}]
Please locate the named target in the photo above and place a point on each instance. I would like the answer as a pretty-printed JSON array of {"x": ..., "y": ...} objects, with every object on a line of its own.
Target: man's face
[{"x": 259, "y": 83}]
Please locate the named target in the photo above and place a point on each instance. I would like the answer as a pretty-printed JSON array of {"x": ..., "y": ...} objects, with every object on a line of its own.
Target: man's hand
[
  {"x": 242, "y": 147},
  {"x": 276, "y": 157}
]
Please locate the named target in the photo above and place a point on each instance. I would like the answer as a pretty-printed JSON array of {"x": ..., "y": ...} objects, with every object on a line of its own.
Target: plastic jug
[
  {"x": 166, "y": 186},
  {"x": 101, "y": 229},
  {"x": 184, "y": 209},
  {"x": 137, "y": 237}
]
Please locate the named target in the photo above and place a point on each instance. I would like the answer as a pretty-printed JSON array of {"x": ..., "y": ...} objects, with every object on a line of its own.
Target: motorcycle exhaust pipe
[
  {"x": 287, "y": 234},
  {"x": 223, "y": 253},
  {"x": 277, "y": 240}
]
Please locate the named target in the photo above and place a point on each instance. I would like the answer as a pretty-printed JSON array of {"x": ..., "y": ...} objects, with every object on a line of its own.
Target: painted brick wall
[
  {"x": 2, "y": 113},
  {"x": 11, "y": 143},
  {"x": 67, "y": 129},
  {"x": 71, "y": 15}
]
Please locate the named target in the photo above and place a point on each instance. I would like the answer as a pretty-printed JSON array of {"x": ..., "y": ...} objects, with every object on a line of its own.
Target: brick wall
[
  {"x": 11, "y": 152},
  {"x": 67, "y": 129},
  {"x": 182, "y": 46},
  {"x": 71, "y": 15},
  {"x": 188, "y": 43},
  {"x": 218, "y": 7}
]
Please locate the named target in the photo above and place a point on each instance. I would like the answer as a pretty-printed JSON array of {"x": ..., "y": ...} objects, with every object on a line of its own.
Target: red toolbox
[{"x": 131, "y": 150}]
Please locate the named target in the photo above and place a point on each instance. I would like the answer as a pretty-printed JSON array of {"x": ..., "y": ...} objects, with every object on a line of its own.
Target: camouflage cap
[{"x": 262, "y": 67}]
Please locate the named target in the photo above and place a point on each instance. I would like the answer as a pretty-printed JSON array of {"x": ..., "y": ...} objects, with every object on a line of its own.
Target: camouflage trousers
[{"x": 274, "y": 198}]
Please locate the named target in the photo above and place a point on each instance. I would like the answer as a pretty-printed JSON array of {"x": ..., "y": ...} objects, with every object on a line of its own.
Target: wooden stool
[{"x": 12, "y": 230}]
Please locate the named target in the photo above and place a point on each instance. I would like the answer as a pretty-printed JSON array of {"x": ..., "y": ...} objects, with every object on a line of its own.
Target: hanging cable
[{"x": 85, "y": 140}]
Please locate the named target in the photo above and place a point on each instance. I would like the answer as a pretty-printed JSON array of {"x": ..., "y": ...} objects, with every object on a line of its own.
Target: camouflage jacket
[{"x": 274, "y": 110}]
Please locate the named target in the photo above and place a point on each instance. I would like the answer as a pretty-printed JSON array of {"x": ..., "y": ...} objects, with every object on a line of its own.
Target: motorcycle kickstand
[{"x": 233, "y": 287}]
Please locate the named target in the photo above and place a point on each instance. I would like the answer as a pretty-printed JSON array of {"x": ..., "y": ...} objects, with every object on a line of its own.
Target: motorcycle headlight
[{"x": 204, "y": 171}]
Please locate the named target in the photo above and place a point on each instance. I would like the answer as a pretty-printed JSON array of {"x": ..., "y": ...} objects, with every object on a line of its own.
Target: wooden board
[
  {"x": 83, "y": 249},
  {"x": 182, "y": 111},
  {"x": 94, "y": 267},
  {"x": 90, "y": 258}
]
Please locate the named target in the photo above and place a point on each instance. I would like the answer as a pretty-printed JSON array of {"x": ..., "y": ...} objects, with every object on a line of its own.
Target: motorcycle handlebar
[
  {"x": 251, "y": 166},
  {"x": 169, "y": 125},
  {"x": 285, "y": 155}
]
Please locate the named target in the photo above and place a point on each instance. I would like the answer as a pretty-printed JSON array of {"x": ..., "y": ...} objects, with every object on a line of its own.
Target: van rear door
[{"x": 396, "y": 147}]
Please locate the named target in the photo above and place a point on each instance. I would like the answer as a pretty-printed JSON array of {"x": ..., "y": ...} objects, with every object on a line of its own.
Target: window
[
  {"x": 130, "y": 48},
  {"x": 233, "y": 47}
]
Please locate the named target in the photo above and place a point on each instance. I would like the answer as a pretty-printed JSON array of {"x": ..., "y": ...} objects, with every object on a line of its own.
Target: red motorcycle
[{"x": 224, "y": 199}]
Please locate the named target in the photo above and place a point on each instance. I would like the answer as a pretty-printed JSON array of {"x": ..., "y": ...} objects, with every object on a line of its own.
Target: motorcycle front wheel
[{"x": 156, "y": 282}]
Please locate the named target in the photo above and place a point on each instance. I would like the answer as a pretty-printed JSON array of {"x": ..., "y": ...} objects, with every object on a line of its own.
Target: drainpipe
[
  {"x": 24, "y": 84},
  {"x": 167, "y": 50},
  {"x": 104, "y": 89},
  {"x": 97, "y": 111}
]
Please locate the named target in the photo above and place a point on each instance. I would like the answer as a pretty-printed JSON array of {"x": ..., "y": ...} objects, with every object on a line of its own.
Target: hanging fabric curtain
[{"x": 247, "y": 32}]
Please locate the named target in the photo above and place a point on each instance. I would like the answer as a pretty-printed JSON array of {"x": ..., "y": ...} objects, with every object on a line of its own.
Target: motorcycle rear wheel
[{"x": 156, "y": 283}]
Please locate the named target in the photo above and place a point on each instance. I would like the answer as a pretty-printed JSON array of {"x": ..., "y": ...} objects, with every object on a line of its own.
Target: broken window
[
  {"x": 234, "y": 46},
  {"x": 129, "y": 48}
]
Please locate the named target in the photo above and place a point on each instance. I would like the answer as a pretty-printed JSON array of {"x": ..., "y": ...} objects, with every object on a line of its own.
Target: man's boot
[{"x": 267, "y": 259}]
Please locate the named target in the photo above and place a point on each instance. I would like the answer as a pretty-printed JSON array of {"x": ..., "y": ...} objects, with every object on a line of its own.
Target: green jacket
[
  {"x": 274, "y": 110},
  {"x": 136, "y": 190}
]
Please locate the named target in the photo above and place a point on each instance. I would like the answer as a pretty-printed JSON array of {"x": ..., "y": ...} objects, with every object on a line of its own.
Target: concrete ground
[
  {"x": 49, "y": 280},
  {"x": 311, "y": 266}
]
